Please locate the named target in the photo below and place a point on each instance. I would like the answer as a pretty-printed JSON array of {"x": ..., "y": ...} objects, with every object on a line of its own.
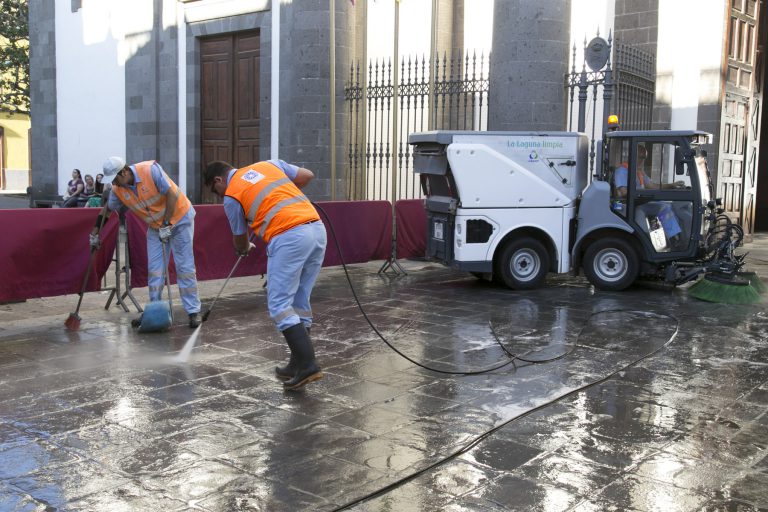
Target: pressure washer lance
[
  {"x": 210, "y": 308},
  {"x": 186, "y": 350}
]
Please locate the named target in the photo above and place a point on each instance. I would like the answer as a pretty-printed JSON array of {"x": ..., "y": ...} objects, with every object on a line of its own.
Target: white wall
[
  {"x": 689, "y": 57},
  {"x": 415, "y": 27},
  {"x": 588, "y": 18},
  {"x": 90, "y": 81}
]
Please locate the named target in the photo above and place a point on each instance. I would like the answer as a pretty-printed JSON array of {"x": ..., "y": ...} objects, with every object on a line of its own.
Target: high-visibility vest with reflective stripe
[
  {"x": 149, "y": 203},
  {"x": 272, "y": 203}
]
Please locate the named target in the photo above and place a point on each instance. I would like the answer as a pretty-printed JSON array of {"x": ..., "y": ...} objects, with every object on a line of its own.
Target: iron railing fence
[
  {"x": 625, "y": 88},
  {"x": 457, "y": 99},
  {"x": 635, "y": 87}
]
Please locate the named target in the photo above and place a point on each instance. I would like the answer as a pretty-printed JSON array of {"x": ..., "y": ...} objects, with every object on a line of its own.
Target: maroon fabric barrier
[
  {"x": 44, "y": 252},
  {"x": 411, "y": 220},
  {"x": 363, "y": 229}
]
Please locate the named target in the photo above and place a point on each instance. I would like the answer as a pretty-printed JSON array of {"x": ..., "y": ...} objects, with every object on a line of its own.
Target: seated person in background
[
  {"x": 88, "y": 192},
  {"x": 98, "y": 198},
  {"x": 99, "y": 185},
  {"x": 74, "y": 189}
]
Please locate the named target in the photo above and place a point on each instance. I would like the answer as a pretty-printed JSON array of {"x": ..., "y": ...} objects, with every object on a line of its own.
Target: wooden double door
[
  {"x": 229, "y": 88},
  {"x": 741, "y": 113}
]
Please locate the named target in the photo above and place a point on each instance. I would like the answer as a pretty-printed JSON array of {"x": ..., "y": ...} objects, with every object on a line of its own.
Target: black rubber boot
[
  {"x": 307, "y": 369},
  {"x": 136, "y": 322},
  {"x": 287, "y": 371}
]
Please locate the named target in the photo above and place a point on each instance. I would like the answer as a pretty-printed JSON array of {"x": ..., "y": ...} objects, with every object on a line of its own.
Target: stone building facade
[{"x": 144, "y": 78}]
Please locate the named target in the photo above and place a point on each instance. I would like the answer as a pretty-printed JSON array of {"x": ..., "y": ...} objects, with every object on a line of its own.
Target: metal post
[
  {"x": 395, "y": 94},
  {"x": 392, "y": 263},
  {"x": 607, "y": 91},
  {"x": 363, "y": 145},
  {"x": 274, "y": 111},
  {"x": 432, "y": 63},
  {"x": 583, "y": 94}
]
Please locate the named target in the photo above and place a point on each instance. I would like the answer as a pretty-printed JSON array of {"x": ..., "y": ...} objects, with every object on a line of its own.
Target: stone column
[
  {"x": 42, "y": 91},
  {"x": 151, "y": 94},
  {"x": 305, "y": 134},
  {"x": 528, "y": 62}
]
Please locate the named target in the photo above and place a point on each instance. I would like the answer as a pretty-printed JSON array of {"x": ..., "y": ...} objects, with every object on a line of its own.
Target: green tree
[{"x": 14, "y": 56}]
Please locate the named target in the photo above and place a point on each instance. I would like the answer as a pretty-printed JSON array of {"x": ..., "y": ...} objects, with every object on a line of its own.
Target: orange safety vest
[
  {"x": 272, "y": 203},
  {"x": 149, "y": 204}
]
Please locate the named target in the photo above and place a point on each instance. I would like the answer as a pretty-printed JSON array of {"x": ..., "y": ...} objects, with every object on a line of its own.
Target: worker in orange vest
[
  {"x": 148, "y": 192},
  {"x": 266, "y": 198}
]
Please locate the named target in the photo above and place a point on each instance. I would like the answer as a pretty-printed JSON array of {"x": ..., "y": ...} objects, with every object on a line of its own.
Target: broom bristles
[
  {"x": 72, "y": 322},
  {"x": 755, "y": 281},
  {"x": 711, "y": 291}
]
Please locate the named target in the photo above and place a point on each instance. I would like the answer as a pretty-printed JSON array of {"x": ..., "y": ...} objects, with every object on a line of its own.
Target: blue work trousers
[
  {"x": 180, "y": 246},
  {"x": 294, "y": 261}
]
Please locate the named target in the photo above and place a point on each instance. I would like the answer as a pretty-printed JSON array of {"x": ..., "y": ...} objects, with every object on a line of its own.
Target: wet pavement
[{"x": 640, "y": 400}]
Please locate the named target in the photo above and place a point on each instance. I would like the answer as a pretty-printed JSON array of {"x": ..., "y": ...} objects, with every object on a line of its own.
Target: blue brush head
[{"x": 156, "y": 317}]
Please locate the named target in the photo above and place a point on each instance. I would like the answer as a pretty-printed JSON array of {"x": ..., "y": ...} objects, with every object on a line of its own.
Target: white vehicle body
[
  {"x": 517, "y": 205},
  {"x": 516, "y": 181}
]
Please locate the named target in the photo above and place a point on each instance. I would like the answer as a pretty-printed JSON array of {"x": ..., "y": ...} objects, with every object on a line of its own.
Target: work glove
[
  {"x": 245, "y": 252},
  {"x": 164, "y": 233},
  {"x": 94, "y": 241}
]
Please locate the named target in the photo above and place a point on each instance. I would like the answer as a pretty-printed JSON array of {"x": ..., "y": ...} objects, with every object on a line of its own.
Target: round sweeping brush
[
  {"x": 724, "y": 290},
  {"x": 754, "y": 280}
]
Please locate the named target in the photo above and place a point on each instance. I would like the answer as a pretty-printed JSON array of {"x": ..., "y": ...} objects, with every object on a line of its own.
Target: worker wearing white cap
[{"x": 146, "y": 189}]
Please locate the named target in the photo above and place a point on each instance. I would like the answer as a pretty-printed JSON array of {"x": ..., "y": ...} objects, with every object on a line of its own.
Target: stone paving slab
[{"x": 640, "y": 400}]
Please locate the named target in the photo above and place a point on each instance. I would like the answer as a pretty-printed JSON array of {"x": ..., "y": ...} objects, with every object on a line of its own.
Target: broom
[
  {"x": 724, "y": 290},
  {"x": 73, "y": 320},
  {"x": 158, "y": 314}
]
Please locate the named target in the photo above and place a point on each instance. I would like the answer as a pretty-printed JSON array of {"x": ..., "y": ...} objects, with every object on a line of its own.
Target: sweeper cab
[{"x": 514, "y": 206}]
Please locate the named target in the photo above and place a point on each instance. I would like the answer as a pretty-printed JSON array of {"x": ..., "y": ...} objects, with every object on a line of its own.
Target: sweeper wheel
[
  {"x": 611, "y": 264},
  {"x": 523, "y": 264}
]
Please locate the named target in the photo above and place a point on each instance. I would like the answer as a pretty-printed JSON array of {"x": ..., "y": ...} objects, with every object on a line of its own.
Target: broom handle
[
  {"x": 88, "y": 269},
  {"x": 85, "y": 279}
]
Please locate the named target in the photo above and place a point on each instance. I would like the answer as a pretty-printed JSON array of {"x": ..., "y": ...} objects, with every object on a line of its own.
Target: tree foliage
[{"x": 14, "y": 56}]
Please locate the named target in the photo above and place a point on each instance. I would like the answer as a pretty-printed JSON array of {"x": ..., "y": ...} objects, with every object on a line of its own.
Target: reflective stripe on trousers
[
  {"x": 183, "y": 258},
  {"x": 294, "y": 261}
]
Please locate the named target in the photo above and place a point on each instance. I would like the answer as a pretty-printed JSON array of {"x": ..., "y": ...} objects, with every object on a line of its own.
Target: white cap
[{"x": 112, "y": 166}]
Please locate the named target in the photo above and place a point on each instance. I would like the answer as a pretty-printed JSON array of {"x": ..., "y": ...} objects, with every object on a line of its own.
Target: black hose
[
  {"x": 512, "y": 357},
  {"x": 365, "y": 315},
  {"x": 477, "y": 440}
]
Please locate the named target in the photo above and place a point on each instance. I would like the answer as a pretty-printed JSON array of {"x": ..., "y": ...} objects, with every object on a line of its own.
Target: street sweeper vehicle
[{"x": 514, "y": 206}]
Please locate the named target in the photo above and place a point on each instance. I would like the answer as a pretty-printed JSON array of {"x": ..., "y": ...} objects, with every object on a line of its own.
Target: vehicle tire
[
  {"x": 523, "y": 264},
  {"x": 611, "y": 264}
]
